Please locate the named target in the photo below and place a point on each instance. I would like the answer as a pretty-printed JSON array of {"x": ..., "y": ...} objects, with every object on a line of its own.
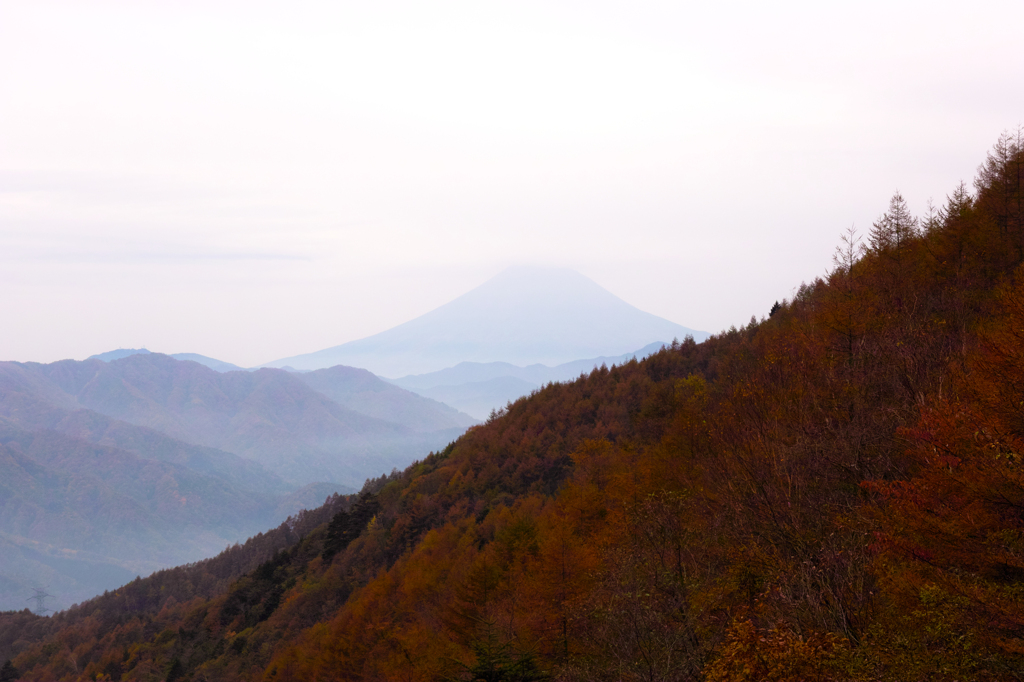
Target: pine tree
[
  {"x": 892, "y": 233},
  {"x": 8, "y": 673}
]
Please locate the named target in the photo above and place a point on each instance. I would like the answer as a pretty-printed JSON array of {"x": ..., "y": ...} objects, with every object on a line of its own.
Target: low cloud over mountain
[{"x": 523, "y": 316}]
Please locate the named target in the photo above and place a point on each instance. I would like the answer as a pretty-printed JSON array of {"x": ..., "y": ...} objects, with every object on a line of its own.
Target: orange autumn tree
[
  {"x": 954, "y": 532},
  {"x": 699, "y": 515}
]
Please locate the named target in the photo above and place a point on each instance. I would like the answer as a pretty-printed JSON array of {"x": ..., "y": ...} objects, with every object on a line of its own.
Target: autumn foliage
[{"x": 833, "y": 493}]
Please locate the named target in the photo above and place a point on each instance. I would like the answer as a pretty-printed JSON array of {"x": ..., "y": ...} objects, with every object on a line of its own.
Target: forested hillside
[{"x": 833, "y": 492}]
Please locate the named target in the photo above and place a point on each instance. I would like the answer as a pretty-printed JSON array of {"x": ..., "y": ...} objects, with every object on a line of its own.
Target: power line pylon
[{"x": 40, "y": 599}]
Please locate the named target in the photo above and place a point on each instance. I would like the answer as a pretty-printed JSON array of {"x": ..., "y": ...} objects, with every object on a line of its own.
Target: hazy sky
[{"x": 253, "y": 180}]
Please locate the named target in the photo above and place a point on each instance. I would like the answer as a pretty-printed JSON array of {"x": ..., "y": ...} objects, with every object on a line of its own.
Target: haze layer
[{"x": 523, "y": 316}]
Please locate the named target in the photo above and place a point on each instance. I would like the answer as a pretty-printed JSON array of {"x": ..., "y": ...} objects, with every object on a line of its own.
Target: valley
[
  {"x": 830, "y": 492},
  {"x": 114, "y": 469}
]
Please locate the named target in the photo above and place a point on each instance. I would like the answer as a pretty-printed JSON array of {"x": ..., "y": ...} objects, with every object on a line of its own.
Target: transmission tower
[{"x": 40, "y": 599}]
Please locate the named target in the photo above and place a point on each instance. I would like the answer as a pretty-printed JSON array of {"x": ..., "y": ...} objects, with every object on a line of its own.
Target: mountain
[
  {"x": 360, "y": 390},
  {"x": 523, "y": 316},
  {"x": 203, "y": 578},
  {"x": 88, "y": 501},
  {"x": 478, "y": 388},
  {"x": 30, "y": 401},
  {"x": 356, "y": 389},
  {"x": 240, "y": 472},
  {"x": 212, "y": 363},
  {"x": 481, "y": 398},
  {"x": 118, "y": 354},
  {"x": 81, "y": 518},
  {"x": 174, "y": 496},
  {"x": 111, "y": 470},
  {"x": 270, "y": 417},
  {"x": 833, "y": 493}
]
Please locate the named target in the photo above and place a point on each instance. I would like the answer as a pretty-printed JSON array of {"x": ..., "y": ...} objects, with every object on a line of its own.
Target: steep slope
[
  {"x": 830, "y": 494},
  {"x": 522, "y": 316},
  {"x": 203, "y": 579}
]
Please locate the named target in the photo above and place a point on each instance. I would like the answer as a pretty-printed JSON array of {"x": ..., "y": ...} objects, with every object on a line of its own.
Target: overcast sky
[{"x": 256, "y": 180}]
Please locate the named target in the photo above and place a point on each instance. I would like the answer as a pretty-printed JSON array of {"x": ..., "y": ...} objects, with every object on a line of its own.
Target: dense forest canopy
[{"x": 834, "y": 492}]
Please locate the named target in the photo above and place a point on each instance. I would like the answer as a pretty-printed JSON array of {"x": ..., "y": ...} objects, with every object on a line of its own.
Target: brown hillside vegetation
[{"x": 833, "y": 493}]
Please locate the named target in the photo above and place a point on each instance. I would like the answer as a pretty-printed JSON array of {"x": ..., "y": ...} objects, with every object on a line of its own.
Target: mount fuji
[{"x": 523, "y": 316}]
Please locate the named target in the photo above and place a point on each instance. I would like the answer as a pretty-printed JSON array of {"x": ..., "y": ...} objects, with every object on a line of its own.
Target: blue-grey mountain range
[
  {"x": 114, "y": 469},
  {"x": 212, "y": 363},
  {"x": 478, "y": 388}
]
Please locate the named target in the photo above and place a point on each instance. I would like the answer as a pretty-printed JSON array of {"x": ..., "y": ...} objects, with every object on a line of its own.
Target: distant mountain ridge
[
  {"x": 523, "y": 316},
  {"x": 538, "y": 374},
  {"x": 212, "y": 363},
  {"x": 269, "y": 416},
  {"x": 362, "y": 391},
  {"x": 478, "y": 388},
  {"x": 111, "y": 469}
]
